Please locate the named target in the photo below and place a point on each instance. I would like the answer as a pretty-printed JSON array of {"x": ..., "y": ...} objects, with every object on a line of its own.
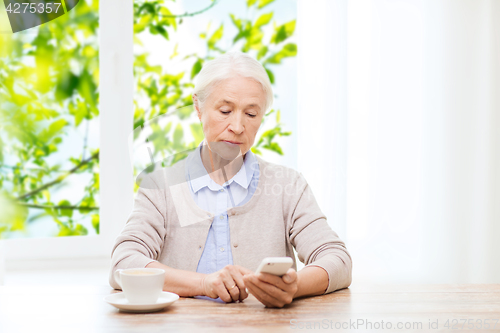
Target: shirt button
[
  {"x": 199, "y": 247},
  {"x": 221, "y": 217},
  {"x": 235, "y": 245},
  {"x": 221, "y": 249},
  {"x": 221, "y": 190}
]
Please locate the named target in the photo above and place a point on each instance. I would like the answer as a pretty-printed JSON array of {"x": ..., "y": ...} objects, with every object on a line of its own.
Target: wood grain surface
[{"x": 412, "y": 307}]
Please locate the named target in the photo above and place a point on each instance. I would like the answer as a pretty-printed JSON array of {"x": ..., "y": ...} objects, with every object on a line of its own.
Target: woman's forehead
[
  {"x": 233, "y": 102},
  {"x": 238, "y": 90}
]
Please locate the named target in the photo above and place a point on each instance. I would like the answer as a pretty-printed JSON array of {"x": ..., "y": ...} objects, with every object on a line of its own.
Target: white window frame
[{"x": 116, "y": 85}]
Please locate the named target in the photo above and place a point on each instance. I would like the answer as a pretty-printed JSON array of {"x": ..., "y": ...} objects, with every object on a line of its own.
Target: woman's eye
[
  {"x": 225, "y": 112},
  {"x": 252, "y": 115}
]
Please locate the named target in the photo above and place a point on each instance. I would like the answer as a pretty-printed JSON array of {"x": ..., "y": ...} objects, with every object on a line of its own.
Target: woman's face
[{"x": 231, "y": 116}]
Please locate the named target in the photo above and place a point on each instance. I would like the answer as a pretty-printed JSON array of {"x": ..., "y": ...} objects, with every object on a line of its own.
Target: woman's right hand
[{"x": 226, "y": 283}]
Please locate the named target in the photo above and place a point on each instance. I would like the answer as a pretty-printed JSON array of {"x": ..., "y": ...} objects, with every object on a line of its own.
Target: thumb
[{"x": 289, "y": 277}]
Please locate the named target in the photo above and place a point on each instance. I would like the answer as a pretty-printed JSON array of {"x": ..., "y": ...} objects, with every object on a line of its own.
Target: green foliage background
[{"x": 49, "y": 86}]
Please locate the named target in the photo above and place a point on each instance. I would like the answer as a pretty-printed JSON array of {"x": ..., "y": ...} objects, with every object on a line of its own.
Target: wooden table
[{"x": 82, "y": 309}]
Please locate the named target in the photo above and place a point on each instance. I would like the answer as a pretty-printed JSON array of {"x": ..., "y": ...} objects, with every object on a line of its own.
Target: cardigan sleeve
[
  {"x": 315, "y": 241},
  {"x": 141, "y": 240}
]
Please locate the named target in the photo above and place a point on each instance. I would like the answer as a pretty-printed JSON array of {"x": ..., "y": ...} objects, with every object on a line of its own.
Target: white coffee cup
[{"x": 141, "y": 285}]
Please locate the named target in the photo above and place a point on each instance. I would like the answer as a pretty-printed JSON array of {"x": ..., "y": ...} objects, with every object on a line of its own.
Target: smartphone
[{"x": 275, "y": 265}]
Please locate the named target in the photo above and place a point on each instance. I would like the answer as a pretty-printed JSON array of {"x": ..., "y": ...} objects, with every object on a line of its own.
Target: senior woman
[{"x": 244, "y": 208}]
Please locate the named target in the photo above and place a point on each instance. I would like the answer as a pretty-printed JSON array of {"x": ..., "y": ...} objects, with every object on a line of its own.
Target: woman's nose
[{"x": 236, "y": 124}]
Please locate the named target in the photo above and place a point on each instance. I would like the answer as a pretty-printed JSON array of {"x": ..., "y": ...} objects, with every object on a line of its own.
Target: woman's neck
[{"x": 219, "y": 169}]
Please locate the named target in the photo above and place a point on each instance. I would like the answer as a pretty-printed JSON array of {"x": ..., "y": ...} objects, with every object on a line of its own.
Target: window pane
[{"x": 49, "y": 126}]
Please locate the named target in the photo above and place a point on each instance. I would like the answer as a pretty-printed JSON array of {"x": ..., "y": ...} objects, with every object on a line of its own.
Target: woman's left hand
[{"x": 271, "y": 290}]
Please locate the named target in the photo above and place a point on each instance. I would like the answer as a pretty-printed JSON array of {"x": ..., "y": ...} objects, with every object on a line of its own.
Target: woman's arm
[
  {"x": 183, "y": 283},
  {"x": 226, "y": 283},
  {"x": 328, "y": 264},
  {"x": 141, "y": 241},
  {"x": 311, "y": 281},
  {"x": 315, "y": 241}
]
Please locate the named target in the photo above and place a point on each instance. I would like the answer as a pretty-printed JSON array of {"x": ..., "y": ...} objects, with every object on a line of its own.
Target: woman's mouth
[{"x": 232, "y": 142}]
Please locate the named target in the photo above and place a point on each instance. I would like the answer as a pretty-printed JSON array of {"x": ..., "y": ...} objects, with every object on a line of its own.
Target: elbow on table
[
  {"x": 348, "y": 273},
  {"x": 342, "y": 273},
  {"x": 113, "y": 283},
  {"x": 112, "y": 280}
]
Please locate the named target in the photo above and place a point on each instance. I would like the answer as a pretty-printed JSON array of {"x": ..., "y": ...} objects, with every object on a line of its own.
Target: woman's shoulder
[{"x": 160, "y": 176}]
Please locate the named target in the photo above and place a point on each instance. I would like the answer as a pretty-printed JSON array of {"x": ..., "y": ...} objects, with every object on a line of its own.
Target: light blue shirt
[{"x": 217, "y": 199}]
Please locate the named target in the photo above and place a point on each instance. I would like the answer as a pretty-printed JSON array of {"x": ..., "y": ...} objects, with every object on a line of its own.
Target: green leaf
[
  {"x": 88, "y": 88},
  {"x": 95, "y": 222},
  {"x": 178, "y": 136},
  {"x": 250, "y": 3},
  {"x": 64, "y": 231},
  {"x": 289, "y": 50},
  {"x": 262, "y": 52},
  {"x": 66, "y": 85},
  {"x": 46, "y": 195},
  {"x": 236, "y": 22},
  {"x": 13, "y": 215},
  {"x": 142, "y": 23},
  {"x": 69, "y": 230},
  {"x": 263, "y": 3},
  {"x": 174, "y": 53},
  {"x": 196, "y": 68},
  {"x": 65, "y": 212},
  {"x": 282, "y": 32},
  {"x": 80, "y": 230},
  {"x": 263, "y": 20},
  {"x": 162, "y": 31},
  {"x": 271, "y": 75},
  {"x": 254, "y": 40},
  {"x": 217, "y": 35},
  {"x": 52, "y": 130},
  {"x": 197, "y": 132},
  {"x": 80, "y": 111},
  {"x": 274, "y": 146},
  {"x": 256, "y": 151},
  {"x": 88, "y": 201}
]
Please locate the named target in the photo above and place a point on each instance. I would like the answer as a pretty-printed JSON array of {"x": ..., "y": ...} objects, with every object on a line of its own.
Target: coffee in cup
[{"x": 141, "y": 285}]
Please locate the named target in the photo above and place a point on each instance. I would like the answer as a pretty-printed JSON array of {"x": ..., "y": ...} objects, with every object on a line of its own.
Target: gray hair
[{"x": 226, "y": 66}]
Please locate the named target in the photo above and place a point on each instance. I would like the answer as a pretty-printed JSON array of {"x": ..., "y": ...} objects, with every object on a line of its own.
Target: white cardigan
[{"x": 167, "y": 226}]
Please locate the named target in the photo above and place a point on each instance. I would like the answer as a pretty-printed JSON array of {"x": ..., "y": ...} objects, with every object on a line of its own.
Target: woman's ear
[{"x": 196, "y": 103}]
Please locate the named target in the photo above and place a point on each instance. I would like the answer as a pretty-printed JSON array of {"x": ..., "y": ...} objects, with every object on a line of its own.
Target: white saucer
[{"x": 119, "y": 301}]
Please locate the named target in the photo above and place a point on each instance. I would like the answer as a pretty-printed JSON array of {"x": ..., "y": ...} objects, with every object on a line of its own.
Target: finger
[
  {"x": 290, "y": 276},
  {"x": 238, "y": 278},
  {"x": 264, "y": 297},
  {"x": 222, "y": 291},
  {"x": 269, "y": 288},
  {"x": 230, "y": 284},
  {"x": 272, "y": 279},
  {"x": 257, "y": 293},
  {"x": 272, "y": 295}
]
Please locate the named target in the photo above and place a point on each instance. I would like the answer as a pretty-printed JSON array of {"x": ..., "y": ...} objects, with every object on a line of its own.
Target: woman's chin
[{"x": 225, "y": 150}]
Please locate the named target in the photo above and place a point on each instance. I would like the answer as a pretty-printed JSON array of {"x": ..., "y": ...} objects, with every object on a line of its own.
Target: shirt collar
[{"x": 200, "y": 178}]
